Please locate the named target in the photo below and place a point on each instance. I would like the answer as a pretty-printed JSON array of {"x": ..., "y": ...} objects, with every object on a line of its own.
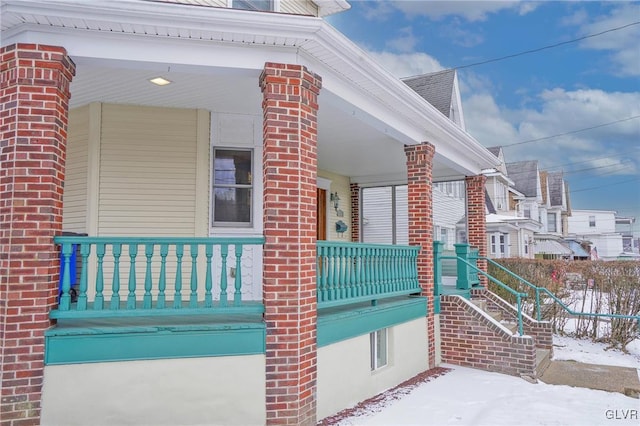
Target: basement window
[{"x": 379, "y": 349}]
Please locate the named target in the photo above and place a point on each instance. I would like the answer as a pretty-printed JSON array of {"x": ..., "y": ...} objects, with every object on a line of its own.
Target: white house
[{"x": 599, "y": 228}]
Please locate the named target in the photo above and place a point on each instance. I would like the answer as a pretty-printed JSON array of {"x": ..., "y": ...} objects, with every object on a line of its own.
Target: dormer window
[{"x": 260, "y": 5}]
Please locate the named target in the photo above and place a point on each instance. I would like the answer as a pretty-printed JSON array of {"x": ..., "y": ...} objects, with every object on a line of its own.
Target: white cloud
[
  {"x": 405, "y": 42},
  {"x": 623, "y": 43},
  {"x": 469, "y": 10},
  {"x": 406, "y": 64}
]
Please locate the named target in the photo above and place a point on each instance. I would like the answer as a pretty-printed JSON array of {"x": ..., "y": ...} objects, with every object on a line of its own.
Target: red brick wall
[
  {"x": 476, "y": 219},
  {"x": 470, "y": 340},
  {"x": 290, "y": 167},
  {"x": 419, "y": 179},
  {"x": 34, "y": 96},
  {"x": 355, "y": 212},
  {"x": 541, "y": 331}
]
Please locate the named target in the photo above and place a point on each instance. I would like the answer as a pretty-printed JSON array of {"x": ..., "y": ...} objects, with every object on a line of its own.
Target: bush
[{"x": 599, "y": 287}]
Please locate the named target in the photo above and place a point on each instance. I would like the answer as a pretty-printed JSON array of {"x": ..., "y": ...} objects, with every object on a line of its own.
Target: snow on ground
[{"x": 466, "y": 396}]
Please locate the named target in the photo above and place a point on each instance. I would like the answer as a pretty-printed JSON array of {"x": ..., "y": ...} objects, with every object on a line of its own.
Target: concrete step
[
  {"x": 480, "y": 303},
  {"x": 543, "y": 360},
  {"x": 512, "y": 326}
]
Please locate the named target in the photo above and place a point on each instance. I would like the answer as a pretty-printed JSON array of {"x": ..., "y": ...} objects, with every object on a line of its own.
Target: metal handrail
[{"x": 557, "y": 300}]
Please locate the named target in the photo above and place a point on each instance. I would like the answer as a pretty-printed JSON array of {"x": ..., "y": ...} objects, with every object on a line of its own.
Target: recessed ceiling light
[{"x": 160, "y": 81}]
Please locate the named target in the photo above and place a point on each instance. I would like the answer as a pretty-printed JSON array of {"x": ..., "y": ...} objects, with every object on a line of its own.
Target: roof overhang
[{"x": 363, "y": 108}]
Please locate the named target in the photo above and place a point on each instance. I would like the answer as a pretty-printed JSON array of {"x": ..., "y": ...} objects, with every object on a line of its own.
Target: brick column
[
  {"x": 290, "y": 167},
  {"x": 419, "y": 177},
  {"x": 355, "y": 212},
  {"x": 34, "y": 105},
  {"x": 476, "y": 219}
]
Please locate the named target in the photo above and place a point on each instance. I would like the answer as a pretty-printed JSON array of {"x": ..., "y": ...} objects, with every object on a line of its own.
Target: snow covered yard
[{"x": 465, "y": 396}]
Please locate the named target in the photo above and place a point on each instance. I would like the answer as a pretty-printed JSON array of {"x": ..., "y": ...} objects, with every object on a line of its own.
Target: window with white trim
[
  {"x": 379, "y": 349},
  {"x": 260, "y": 5},
  {"x": 232, "y": 187},
  {"x": 551, "y": 222},
  {"x": 592, "y": 221}
]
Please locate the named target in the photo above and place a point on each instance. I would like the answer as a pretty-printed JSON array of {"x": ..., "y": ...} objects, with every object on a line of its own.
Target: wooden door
[{"x": 321, "y": 233}]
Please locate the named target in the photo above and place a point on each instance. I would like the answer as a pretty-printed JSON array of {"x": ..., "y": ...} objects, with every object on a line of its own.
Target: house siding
[
  {"x": 74, "y": 211},
  {"x": 298, "y": 7},
  {"x": 342, "y": 186},
  {"x": 147, "y": 172}
]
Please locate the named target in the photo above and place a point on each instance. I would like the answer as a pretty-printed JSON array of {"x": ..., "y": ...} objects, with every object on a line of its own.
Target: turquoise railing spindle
[
  {"x": 65, "y": 298},
  {"x": 237, "y": 295},
  {"x": 98, "y": 303},
  {"x": 131, "y": 297},
  {"x": 331, "y": 273},
  {"x": 224, "y": 252},
  {"x": 162, "y": 280},
  {"x": 166, "y": 296},
  {"x": 177, "y": 296},
  {"x": 115, "y": 286},
  {"x": 208, "y": 282},
  {"x": 193, "y": 297},
  {"x": 85, "y": 251},
  {"x": 148, "y": 280},
  {"x": 357, "y": 272}
]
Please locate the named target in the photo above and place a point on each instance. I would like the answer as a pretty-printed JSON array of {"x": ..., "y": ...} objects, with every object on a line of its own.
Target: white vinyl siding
[
  {"x": 74, "y": 211},
  {"x": 148, "y": 171},
  {"x": 377, "y": 220},
  {"x": 298, "y": 7}
]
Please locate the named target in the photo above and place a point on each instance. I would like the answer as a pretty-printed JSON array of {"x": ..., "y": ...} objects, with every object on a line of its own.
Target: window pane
[
  {"x": 232, "y": 205},
  {"x": 252, "y": 4},
  {"x": 232, "y": 167},
  {"x": 381, "y": 348}
]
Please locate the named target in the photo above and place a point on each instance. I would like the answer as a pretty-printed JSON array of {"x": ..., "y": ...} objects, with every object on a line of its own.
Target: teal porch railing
[
  {"x": 356, "y": 272},
  {"x": 538, "y": 305},
  {"x": 140, "y": 276},
  {"x": 467, "y": 275}
]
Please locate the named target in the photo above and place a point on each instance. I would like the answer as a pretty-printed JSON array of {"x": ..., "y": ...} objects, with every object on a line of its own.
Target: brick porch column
[
  {"x": 355, "y": 212},
  {"x": 290, "y": 167},
  {"x": 34, "y": 105},
  {"x": 419, "y": 178},
  {"x": 476, "y": 219}
]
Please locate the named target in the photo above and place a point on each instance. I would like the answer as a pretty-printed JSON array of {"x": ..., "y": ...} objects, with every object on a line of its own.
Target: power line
[
  {"x": 604, "y": 186},
  {"x": 572, "y": 131},
  {"x": 551, "y": 46}
]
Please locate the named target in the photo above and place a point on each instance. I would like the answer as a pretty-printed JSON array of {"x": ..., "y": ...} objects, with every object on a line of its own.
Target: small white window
[
  {"x": 592, "y": 221},
  {"x": 379, "y": 349},
  {"x": 551, "y": 222},
  {"x": 232, "y": 187}
]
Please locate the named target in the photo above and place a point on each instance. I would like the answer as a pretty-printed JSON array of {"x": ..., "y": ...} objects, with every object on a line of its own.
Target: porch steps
[
  {"x": 496, "y": 315},
  {"x": 543, "y": 360}
]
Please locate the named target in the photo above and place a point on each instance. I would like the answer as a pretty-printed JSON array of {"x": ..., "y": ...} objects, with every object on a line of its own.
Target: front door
[{"x": 321, "y": 233}]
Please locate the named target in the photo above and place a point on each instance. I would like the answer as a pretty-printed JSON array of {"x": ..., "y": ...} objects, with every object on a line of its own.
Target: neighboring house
[
  {"x": 598, "y": 227},
  {"x": 630, "y": 241},
  {"x": 216, "y": 159},
  {"x": 509, "y": 233}
]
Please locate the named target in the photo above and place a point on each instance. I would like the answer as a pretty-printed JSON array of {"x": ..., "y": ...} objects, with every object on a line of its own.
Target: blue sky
[{"x": 575, "y": 86}]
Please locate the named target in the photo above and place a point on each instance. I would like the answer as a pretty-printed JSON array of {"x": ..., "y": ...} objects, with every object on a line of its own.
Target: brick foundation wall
[
  {"x": 476, "y": 219},
  {"x": 420, "y": 198},
  {"x": 34, "y": 96},
  {"x": 541, "y": 331},
  {"x": 355, "y": 212},
  {"x": 469, "y": 339},
  {"x": 290, "y": 168}
]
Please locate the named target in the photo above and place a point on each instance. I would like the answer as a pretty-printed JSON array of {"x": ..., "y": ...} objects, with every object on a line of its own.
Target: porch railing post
[
  {"x": 462, "y": 268},
  {"x": 437, "y": 275}
]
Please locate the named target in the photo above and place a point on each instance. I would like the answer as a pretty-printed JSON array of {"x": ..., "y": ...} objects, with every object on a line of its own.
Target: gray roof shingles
[
  {"x": 436, "y": 88},
  {"x": 525, "y": 176},
  {"x": 555, "y": 188}
]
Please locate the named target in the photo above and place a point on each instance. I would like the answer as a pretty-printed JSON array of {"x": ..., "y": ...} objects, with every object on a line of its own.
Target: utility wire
[
  {"x": 571, "y": 132},
  {"x": 551, "y": 46},
  {"x": 603, "y": 186}
]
